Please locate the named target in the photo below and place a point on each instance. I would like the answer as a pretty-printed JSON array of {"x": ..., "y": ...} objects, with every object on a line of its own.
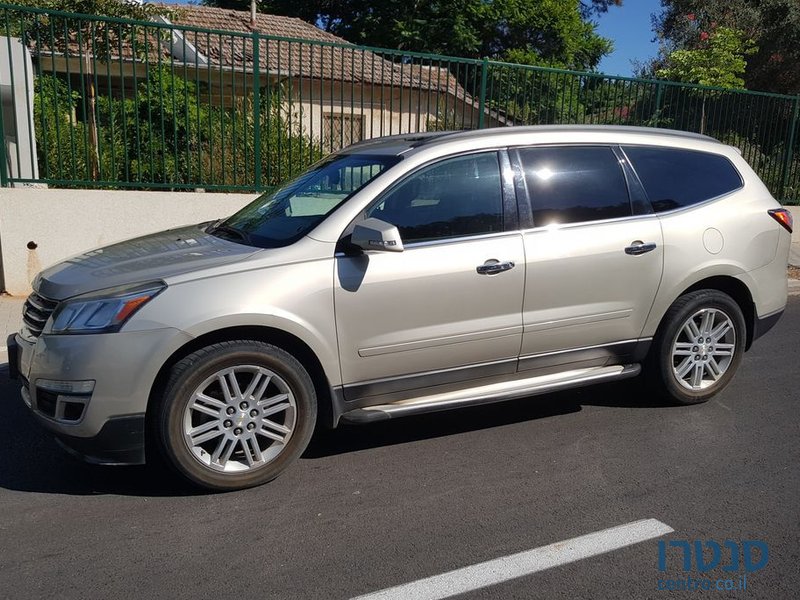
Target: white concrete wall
[
  {"x": 63, "y": 223},
  {"x": 794, "y": 255}
]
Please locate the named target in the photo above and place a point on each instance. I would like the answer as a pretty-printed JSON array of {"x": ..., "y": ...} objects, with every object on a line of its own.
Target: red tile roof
[{"x": 303, "y": 57}]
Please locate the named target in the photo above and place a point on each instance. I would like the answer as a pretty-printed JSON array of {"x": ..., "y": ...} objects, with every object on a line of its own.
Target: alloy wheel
[
  {"x": 239, "y": 419},
  {"x": 703, "y": 349}
]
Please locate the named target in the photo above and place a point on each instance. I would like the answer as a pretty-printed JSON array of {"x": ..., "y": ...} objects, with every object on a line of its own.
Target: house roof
[
  {"x": 209, "y": 17},
  {"x": 341, "y": 62}
]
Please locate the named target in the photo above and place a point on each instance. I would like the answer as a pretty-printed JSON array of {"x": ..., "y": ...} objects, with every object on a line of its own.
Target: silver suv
[{"x": 405, "y": 275}]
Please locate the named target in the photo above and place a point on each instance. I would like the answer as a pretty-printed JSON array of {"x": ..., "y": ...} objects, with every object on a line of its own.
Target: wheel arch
[
  {"x": 734, "y": 288},
  {"x": 271, "y": 335}
]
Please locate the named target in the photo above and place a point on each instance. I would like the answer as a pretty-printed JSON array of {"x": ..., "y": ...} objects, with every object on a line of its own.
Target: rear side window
[
  {"x": 572, "y": 184},
  {"x": 675, "y": 178}
]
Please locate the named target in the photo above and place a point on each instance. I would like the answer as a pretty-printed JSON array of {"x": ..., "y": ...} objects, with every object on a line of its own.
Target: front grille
[{"x": 35, "y": 313}]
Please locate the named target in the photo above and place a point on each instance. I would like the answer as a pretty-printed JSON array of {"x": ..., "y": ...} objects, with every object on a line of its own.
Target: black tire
[
  {"x": 661, "y": 375},
  {"x": 200, "y": 367}
]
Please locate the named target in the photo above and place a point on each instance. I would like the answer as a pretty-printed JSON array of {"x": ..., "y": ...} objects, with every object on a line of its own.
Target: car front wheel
[{"x": 236, "y": 414}]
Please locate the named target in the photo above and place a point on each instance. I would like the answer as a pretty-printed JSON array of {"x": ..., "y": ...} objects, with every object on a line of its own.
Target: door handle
[
  {"x": 494, "y": 267},
  {"x": 638, "y": 247}
]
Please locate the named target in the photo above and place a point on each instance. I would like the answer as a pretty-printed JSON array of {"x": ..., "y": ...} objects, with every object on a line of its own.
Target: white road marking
[
  {"x": 524, "y": 563},
  {"x": 3, "y": 348}
]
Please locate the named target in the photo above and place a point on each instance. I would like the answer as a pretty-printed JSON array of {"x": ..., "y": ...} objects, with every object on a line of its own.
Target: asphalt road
[{"x": 377, "y": 506}]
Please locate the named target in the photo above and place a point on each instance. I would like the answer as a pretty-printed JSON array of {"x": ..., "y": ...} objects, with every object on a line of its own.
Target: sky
[{"x": 630, "y": 28}]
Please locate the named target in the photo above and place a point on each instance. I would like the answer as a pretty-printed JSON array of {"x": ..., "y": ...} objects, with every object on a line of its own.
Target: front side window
[
  {"x": 284, "y": 216},
  {"x": 454, "y": 198},
  {"x": 675, "y": 178},
  {"x": 573, "y": 184}
]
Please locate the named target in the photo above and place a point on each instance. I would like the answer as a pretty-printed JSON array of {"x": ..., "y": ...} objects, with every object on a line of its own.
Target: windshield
[{"x": 284, "y": 216}]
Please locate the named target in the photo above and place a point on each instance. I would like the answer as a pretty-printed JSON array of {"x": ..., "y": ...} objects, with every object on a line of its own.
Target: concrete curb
[{"x": 794, "y": 287}]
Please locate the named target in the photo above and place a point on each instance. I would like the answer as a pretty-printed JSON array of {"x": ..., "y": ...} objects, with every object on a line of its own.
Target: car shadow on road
[
  {"x": 33, "y": 462},
  {"x": 350, "y": 438}
]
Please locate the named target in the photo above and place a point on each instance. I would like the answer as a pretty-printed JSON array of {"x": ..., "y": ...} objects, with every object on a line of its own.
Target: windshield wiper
[{"x": 223, "y": 228}]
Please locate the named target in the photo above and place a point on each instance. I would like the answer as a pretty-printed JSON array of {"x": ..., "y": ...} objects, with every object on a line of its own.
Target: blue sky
[{"x": 629, "y": 27}]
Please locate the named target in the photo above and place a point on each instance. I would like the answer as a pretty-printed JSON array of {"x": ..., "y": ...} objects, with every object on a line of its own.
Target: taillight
[{"x": 784, "y": 217}]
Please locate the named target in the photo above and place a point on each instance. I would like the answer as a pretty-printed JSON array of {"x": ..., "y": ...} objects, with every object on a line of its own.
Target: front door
[{"x": 434, "y": 313}]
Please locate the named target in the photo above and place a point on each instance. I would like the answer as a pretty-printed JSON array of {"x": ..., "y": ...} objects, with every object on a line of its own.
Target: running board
[{"x": 495, "y": 392}]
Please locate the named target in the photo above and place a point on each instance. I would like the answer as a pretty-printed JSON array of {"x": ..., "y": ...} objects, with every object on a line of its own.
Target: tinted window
[
  {"x": 574, "y": 184},
  {"x": 456, "y": 197},
  {"x": 676, "y": 178}
]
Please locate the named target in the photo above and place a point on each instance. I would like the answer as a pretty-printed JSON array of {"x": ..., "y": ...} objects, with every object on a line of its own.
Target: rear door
[{"x": 594, "y": 256}]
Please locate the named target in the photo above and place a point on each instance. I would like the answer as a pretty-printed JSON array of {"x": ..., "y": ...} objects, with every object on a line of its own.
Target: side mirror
[{"x": 374, "y": 234}]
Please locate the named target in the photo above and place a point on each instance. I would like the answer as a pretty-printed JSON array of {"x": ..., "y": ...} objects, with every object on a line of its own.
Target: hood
[{"x": 147, "y": 258}]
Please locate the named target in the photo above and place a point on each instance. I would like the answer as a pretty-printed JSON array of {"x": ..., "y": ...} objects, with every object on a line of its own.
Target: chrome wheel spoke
[
  {"x": 209, "y": 400},
  {"x": 260, "y": 382},
  {"x": 206, "y": 431},
  {"x": 234, "y": 385},
  {"x": 252, "y": 452},
  {"x": 275, "y": 409},
  {"x": 721, "y": 330},
  {"x": 683, "y": 349},
  {"x": 223, "y": 451},
  {"x": 207, "y": 410},
  {"x": 713, "y": 368},
  {"x": 268, "y": 402},
  {"x": 276, "y": 426},
  {"x": 273, "y": 431},
  {"x": 691, "y": 330},
  {"x": 222, "y": 378},
  {"x": 707, "y": 322},
  {"x": 683, "y": 369},
  {"x": 697, "y": 376}
]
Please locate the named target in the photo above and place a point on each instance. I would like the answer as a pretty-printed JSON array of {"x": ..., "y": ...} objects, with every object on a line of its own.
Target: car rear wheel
[
  {"x": 698, "y": 348},
  {"x": 236, "y": 414}
]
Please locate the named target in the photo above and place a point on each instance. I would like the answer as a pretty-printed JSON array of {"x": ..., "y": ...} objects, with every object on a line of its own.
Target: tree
[
  {"x": 596, "y": 7},
  {"x": 718, "y": 61},
  {"x": 94, "y": 40},
  {"x": 774, "y": 26},
  {"x": 540, "y": 31}
]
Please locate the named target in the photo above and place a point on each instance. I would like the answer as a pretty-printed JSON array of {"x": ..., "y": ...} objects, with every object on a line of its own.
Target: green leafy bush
[{"x": 163, "y": 134}]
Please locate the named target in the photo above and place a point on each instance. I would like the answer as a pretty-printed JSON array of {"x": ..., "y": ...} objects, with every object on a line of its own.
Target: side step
[{"x": 495, "y": 392}]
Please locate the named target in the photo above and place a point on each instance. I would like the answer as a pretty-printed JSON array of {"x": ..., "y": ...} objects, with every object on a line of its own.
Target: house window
[{"x": 339, "y": 130}]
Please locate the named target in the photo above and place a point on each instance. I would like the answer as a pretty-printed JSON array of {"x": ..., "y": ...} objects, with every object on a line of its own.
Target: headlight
[{"x": 105, "y": 310}]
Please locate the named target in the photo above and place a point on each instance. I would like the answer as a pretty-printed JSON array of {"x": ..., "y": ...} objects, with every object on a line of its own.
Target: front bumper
[
  {"x": 120, "y": 442},
  {"x": 107, "y": 424}
]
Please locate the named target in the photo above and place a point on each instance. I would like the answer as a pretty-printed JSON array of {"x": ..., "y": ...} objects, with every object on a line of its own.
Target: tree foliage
[
  {"x": 94, "y": 40},
  {"x": 773, "y": 25},
  {"x": 551, "y": 32},
  {"x": 718, "y": 60},
  {"x": 165, "y": 135}
]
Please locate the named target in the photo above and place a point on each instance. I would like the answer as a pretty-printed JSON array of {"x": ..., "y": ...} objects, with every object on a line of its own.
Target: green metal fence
[{"x": 116, "y": 103}]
